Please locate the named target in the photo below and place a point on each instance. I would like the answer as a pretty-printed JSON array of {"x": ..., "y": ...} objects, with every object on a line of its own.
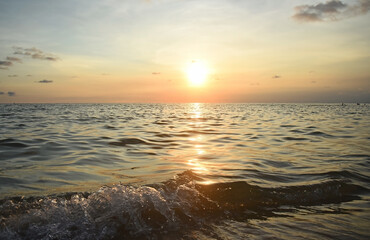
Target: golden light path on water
[{"x": 196, "y": 164}]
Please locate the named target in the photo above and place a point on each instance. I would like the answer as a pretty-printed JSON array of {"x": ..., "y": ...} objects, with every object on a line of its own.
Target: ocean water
[{"x": 184, "y": 171}]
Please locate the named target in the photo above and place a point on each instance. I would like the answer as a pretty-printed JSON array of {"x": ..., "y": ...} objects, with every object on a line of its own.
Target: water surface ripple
[{"x": 192, "y": 171}]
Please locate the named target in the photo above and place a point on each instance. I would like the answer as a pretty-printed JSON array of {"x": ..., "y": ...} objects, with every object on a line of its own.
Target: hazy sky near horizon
[{"x": 137, "y": 50}]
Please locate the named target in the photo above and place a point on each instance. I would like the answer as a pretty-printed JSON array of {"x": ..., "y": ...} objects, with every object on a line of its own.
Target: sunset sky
[{"x": 140, "y": 51}]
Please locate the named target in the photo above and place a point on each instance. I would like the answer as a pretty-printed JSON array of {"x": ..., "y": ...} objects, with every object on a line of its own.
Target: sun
[{"x": 197, "y": 73}]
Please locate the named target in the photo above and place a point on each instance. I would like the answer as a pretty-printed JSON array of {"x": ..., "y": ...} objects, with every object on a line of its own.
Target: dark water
[{"x": 184, "y": 171}]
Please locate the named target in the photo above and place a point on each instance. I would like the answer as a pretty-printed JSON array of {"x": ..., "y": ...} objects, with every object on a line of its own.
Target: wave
[
  {"x": 153, "y": 211},
  {"x": 129, "y": 141},
  {"x": 9, "y": 142},
  {"x": 319, "y": 133},
  {"x": 295, "y": 138}
]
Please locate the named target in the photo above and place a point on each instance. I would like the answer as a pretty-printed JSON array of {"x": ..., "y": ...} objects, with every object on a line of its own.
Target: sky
[{"x": 108, "y": 51}]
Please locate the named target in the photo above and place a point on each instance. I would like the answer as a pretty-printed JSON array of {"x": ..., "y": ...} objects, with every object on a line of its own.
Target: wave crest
[{"x": 172, "y": 207}]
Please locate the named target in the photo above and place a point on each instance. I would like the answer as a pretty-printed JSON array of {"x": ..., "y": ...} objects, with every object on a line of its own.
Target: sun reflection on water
[
  {"x": 196, "y": 166},
  {"x": 196, "y": 110},
  {"x": 196, "y": 163}
]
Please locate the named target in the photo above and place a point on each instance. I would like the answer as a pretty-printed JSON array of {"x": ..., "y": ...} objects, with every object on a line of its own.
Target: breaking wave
[{"x": 171, "y": 208}]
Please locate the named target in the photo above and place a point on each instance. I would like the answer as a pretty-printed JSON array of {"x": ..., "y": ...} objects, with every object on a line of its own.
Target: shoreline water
[{"x": 176, "y": 207}]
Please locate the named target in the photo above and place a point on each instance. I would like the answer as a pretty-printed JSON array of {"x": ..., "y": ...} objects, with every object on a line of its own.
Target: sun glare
[{"x": 197, "y": 73}]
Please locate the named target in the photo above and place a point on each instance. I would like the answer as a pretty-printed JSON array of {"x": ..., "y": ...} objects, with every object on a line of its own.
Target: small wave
[
  {"x": 104, "y": 137},
  {"x": 206, "y": 131},
  {"x": 195, "y": 119},
  {"x": 345, "y": 136},
  {"x": 216, "y": 124},
  {"x": 128, "y": 141},
  {"x": 296, "y": 131},
  {"x": 318, "y": 133},
  {"x": 287, "y": 126},
  {"x": 224, "y": 140},
  {"x": 162, "y": 122},
  {"x": 9, "y": 142},
  {"x": 6, "y": 114},
  {"x": 163, "y": 135},
  {"x": 29, "y": 153},
  {"x": 357, "y": 156},
  {"x": 344, "y": 174},
  {"x": 295, "y": 138},
  {"x": 7, "y": 180},
  {"x": 156, "y": 210},
  {"x": 141, "y": 153},
  {"x": 109, "y": 127}
]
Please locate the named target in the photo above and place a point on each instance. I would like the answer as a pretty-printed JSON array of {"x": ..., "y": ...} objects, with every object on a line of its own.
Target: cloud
[
  {"x": 5, "y": 64},
  {"x": 9, "y": 62},
  {"x": 14, "y": 59},
  {"x": 28, "y": 75},
  {"x": 35, "y": 53},
  {"x": 332, "y": 10},
  {"x": 276, "y": 76},
  {"x": 13, "y": 75},
  {"x": 156, "y": 73},
  {"x": 10, "y": 94},
  {"x": 45, "y": 81}
]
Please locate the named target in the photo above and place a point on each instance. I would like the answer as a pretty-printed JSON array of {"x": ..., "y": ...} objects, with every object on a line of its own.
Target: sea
[{"x": 185, "y": 171}]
